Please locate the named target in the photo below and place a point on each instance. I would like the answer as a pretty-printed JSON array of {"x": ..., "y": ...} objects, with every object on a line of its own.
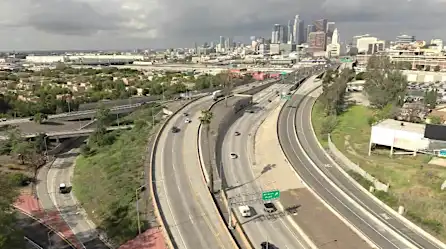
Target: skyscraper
[
  {"x": 310, "y": 28},
  {"x": 330, "y": 28},
  {"x": 222, "y": 42},
  {"x": 316, "y": 41},
  {"x": 275, "y": 35},
  {"x": 335, "y": 37},
  {"x": 298, "y": 30},
  {"x": 321, "y": 25},
  {"x": 290, "y": 32},
  {"x": 283, "y": 34}
]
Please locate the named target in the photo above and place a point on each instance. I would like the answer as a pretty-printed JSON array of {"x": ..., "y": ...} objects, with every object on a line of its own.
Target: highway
[
  {"x": 294, "y": 125},
  {"x": 68, "y": 134},
  {"x": 185, "y": 200},
  {"x": 302, "y": 122},
  {"x": 38, "y": 235},
  {"x": 185, "y": 203},
  {"x": 242, "y": 181},
  {"x": 61, "y": 171}
]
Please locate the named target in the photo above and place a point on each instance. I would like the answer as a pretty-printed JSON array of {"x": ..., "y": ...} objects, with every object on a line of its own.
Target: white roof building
[{"x": 401, "y": 135}]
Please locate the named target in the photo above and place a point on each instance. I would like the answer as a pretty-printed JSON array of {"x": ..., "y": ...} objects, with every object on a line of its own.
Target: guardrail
[{"x": 32, "y": 243}]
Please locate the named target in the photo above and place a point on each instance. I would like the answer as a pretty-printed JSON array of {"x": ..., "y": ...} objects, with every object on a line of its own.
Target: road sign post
[{"x": 270, "y": 195}]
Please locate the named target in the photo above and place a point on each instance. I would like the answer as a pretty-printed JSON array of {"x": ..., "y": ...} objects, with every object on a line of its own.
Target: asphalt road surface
[
  {"x": 40, "y": 234},
  {"x": 309, "y": 143},
  {"x": 294, "y": 124},
  {"x": 186, "y": 203},
  {"x": 241, "y": 179}
]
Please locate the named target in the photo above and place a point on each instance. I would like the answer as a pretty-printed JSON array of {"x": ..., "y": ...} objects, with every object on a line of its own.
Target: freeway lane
[
  {"x": 309, "y": 142},
  {"x": 239, "y": 174},
  {"x": 357, "y": 217},
  {"x": 186, "y": 203}
]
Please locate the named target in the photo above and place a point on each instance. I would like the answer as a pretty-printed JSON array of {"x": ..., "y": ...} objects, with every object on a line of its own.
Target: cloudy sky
[{"x": 128, "y": 24}]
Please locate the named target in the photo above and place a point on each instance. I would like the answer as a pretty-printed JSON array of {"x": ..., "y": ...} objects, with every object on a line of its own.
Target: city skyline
[{"x": 127, "y": 24}]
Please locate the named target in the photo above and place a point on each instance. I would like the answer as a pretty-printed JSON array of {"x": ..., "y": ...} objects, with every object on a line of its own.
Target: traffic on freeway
[
  {"x": 299, "y": 145},
  {"x": 261, "y": 221},
  {"x": 309, "y": 142},
  {"x": 186, "y": 203}
]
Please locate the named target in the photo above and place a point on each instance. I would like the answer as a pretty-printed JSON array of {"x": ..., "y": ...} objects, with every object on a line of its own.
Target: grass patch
[
  {"x": 317, "y": 120},
  {"x": 105, "y": 182},
  {"x": 413, "y": 183}
]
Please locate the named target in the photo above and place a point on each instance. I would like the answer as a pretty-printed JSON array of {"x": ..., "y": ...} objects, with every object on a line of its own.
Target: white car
[
  {"x": 233, "y": 155},
  {"x": 187, "y": 121}
]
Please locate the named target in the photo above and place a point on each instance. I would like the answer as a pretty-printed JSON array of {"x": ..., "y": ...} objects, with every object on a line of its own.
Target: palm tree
[
  {"x": 227, "y": 84},
  {"x": 205, "y": 120}
]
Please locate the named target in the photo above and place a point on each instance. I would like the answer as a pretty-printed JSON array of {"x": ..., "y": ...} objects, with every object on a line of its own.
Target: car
[
  {"x": 63, "y": 189},
  {"x": 187, "y": 121},
  {"x": 249, "y": 111},
  {"x": 269, "y": 207},
  {"x": 185, "y": 114},
  {"x": 175, "y": 129},
  {"x": 233, "y": 155},
  {"x": 237, "y": 133},
  {"x": 267, "y": 245}
]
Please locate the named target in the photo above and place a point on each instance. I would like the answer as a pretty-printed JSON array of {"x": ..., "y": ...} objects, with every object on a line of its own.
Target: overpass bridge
[{"x": 70, "y": 134}]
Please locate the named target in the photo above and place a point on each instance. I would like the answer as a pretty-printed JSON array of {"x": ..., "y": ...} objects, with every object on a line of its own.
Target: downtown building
[{"x": 317, "y": 41}]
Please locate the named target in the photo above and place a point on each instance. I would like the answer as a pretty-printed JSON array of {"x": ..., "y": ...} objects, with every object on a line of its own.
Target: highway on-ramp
[
  {"x": 242, "y": 182},
  {"x": 297, "y": 140},
  {"x": 301, "y": 119}
]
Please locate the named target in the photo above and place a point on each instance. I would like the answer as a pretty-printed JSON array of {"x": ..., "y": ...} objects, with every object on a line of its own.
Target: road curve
[
  {"x": 309, "y": 143},
  {"x": 293, "y": 130},
  {"x": 186, "y": 204},
  {"x": 241, "y": 179}
]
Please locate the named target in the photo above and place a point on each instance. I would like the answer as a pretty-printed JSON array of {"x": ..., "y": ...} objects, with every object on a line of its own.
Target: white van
[{"x": 245, "y": 211}]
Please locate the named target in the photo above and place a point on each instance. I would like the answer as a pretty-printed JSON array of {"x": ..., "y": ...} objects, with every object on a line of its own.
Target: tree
[
  {"x": 435, "y": 120},
  {"x": 227, "y": 84},
  {"x": 99, "y": 135},
  {"x": 10, "y": 235},
  {"x": 40, "y": 118},
  {"x": 334, "y": 86},
  {"x": 384, "y": 83},
  {"x": 437, "y": 68},
  {"x": 205, "y": 120},
  {"x": 430, "y": 98}
]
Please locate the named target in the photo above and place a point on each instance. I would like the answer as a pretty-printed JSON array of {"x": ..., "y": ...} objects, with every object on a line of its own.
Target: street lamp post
[
  {"x": 137, "y": 207},
  {"x": 49, "y": 239}
]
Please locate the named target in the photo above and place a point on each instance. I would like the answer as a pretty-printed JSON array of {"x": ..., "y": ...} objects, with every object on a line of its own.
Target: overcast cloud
[{"x": 127, "y": 24}]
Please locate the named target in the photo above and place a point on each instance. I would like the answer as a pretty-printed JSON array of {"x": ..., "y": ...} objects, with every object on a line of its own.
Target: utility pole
[{"x": 137, "y": 207}]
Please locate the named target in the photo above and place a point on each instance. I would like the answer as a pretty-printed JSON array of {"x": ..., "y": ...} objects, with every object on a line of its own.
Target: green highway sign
[
  {"x": 283, "y": 73},
  {"x": 346, "y": 60},
  {"x": 270, "y": 195},
  {"x": 287, "y": 97}
]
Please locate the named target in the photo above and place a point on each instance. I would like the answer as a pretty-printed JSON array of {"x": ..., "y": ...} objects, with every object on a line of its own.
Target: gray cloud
[{"x": 105, "y": 24}]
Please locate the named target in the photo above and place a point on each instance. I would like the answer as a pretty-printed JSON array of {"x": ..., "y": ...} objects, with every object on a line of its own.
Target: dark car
[
  {"x": 267, "y": 245},
  {"x": 175, "y": 129},
  {"x": 63, "y": 189},
  {"x": 269, "y": 207}
]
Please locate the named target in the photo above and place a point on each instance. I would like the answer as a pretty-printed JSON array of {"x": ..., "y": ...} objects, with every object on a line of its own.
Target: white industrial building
[
  {"x": 362, "y": 44},
  {"x": 49, "y": 59},
  {"x": 400, "y": 135}
]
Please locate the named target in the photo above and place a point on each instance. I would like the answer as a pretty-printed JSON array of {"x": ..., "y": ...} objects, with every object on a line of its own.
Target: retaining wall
[{"x": 345, "y": 161}]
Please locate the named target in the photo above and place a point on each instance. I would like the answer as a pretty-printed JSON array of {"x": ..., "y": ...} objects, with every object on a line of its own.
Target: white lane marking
[
  {"x": 175, "y": 225},
  {"x": 363, "y": 205},
  {"x": 293, "y": 122}
]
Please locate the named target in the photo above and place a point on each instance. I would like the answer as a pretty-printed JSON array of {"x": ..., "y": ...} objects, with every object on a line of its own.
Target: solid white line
[
  {"x": 175, "y": 226},
  {"x": 376, "y": 215},
  {"x": 293, "y": 120}
]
